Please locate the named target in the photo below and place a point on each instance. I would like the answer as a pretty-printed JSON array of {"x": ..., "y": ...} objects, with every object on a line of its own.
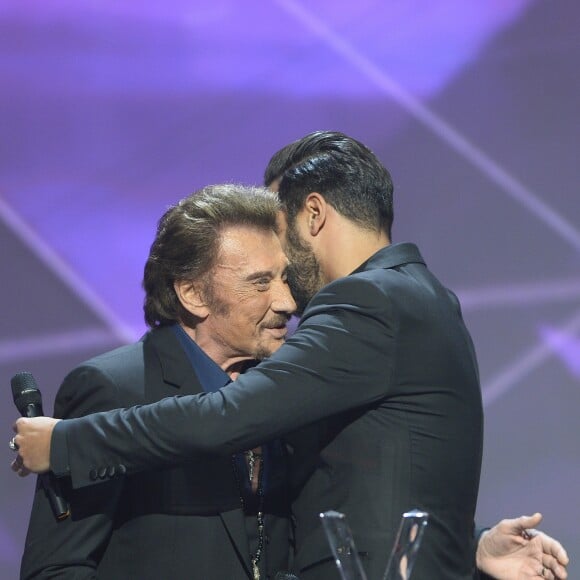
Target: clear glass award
[
  {"x": 407, "y": 544},
  {"x": 403, "y": 554},
  {"x": 342, "y": 546}
]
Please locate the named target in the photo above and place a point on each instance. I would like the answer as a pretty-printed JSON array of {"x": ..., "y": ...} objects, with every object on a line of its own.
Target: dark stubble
[{"x": 304, "y": 274}]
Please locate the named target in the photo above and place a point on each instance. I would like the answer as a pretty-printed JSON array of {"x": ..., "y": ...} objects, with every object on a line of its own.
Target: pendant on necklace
[
  {"x": 256, "y": 570},
  {"x": 251, "y": 463}
]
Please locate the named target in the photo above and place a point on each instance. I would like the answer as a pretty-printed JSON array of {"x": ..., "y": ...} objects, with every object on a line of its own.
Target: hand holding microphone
[{"x": 32, "y": 440}]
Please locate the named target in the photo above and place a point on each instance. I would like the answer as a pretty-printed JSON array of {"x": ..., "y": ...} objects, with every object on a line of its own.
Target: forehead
[{"x": 244, "y": 249}]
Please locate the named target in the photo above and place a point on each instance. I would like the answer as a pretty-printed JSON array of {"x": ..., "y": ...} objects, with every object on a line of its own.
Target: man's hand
[
  {"x": 33, "y": 442},
  {"x": 513, "y": 550}
]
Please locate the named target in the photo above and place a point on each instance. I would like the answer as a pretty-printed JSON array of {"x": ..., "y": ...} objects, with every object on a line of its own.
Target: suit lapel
[
  {"x": 167, "y": 361},
  {"x": 173, "y": 375},
  {"x": 235, "y": 524}
]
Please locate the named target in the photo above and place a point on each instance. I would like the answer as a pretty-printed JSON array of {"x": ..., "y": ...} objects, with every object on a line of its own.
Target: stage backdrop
[{"x": 110, "y": 111}]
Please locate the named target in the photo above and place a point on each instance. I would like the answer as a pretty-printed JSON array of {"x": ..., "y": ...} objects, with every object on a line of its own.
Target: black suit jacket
[
  {"x": 384, "y": 356},
  {"x": 182, "y": 522}
]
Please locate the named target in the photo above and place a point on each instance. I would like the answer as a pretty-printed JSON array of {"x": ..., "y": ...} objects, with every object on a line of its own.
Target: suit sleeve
[
  {"x": 340, "y": 358},
  {"x": 71, "y": 549}
]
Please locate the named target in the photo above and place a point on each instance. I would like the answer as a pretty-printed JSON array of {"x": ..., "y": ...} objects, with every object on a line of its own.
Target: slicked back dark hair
[
  {"x": 347, "y": 173},
  {"x": 188, "y": 238}
]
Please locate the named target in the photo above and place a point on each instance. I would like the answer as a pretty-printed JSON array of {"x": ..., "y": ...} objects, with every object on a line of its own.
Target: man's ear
[
  {"x": 191, "y": 298},
  {"x": 316, "y": 209}
]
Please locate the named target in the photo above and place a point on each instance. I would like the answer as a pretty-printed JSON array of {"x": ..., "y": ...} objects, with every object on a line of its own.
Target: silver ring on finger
[{"x": 12, "y": 444}]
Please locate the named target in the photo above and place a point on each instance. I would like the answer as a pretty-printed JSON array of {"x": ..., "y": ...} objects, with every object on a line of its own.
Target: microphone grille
[{"x": 24, "y": 390}]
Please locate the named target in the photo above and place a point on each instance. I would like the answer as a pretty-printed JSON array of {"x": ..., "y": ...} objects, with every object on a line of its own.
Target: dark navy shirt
[
  {"x": 213, "y": 378},
  {"x": 210, "y": 375}
]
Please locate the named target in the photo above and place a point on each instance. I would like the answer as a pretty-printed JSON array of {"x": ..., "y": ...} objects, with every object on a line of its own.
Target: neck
[
  {"x": 233, "y": 365},
  {"x": 346, "y": 246}
]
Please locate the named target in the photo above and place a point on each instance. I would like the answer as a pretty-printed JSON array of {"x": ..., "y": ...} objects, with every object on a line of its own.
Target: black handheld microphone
[{"x": 28, "y": 401}]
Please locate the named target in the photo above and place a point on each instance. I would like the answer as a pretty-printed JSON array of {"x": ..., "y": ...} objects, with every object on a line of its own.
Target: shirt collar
[{"x": 210, "y": 375}]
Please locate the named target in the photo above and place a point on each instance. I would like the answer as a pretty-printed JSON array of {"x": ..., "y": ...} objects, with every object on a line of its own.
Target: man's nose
[{"x": 283, "y": 300}]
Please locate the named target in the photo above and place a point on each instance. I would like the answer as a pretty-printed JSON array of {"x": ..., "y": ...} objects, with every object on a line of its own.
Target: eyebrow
[{"x": 261, "y": 274}]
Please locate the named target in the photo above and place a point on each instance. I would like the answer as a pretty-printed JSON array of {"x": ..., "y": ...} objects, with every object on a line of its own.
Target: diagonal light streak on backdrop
[
  {"x": 48, "y": 345},
  {"x": 525, "y": 364},
  {"x": 64, "y": 272},
  {"x": 443, "y": 130},
  {"x": 519, "y": 295},
  {"x": 460, "y": 144}
]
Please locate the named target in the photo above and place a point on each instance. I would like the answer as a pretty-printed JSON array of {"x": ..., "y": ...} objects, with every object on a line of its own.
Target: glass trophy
[
  {"x": 403, "y": 554},
  {"x": 342, "y": 546},
  {"x": 407, "y": 543}
]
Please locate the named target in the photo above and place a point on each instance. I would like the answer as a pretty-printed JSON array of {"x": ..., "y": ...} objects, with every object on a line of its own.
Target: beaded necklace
[{"x": 252, "y": 459}]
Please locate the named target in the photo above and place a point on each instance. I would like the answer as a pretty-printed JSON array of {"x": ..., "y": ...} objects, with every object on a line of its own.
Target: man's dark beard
[{"x": 304, "y": 275}]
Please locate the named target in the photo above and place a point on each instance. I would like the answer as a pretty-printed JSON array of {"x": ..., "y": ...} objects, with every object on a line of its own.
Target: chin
[{"x": 268, "y": 350}]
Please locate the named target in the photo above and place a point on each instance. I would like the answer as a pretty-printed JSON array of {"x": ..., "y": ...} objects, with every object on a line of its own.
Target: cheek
[
  {"x": 249, "y": 315},
  {"x": 261, "y": 308}
]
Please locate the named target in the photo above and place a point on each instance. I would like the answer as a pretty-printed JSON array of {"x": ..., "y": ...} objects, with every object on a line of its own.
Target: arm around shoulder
[{"x": 327, "y": 367}]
